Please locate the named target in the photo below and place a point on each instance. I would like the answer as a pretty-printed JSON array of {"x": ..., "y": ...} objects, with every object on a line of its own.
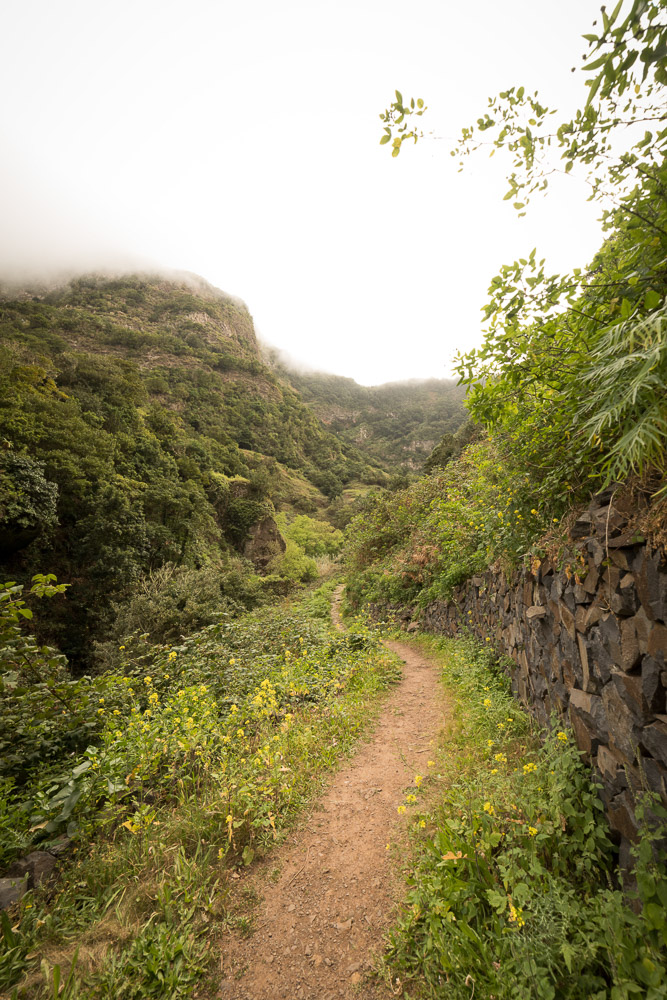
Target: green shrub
[
  {"x": 513, "y": 888},
  {"x": 293, "y": 565}
]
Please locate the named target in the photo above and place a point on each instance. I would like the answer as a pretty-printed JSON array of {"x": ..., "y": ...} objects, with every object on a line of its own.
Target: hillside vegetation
[
  {"x": 141, "y": 430},
  {"x": 396, "y": 425}
]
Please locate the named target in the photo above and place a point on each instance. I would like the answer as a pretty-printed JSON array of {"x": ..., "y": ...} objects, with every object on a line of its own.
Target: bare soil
[{"x": 320, "y": 925}]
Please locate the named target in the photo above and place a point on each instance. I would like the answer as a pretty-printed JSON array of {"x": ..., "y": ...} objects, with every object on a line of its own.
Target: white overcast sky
[{"x": 239, "y": 139}]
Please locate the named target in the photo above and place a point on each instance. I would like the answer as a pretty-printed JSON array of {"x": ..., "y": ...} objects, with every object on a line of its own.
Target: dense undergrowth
[
  {"x": 187, "y": 761},
  {"x": 513, "y": 891}
]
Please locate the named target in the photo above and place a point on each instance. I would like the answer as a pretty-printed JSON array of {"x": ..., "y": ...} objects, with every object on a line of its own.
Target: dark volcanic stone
[
  {"x": 625, "y": 601},
  {"x": 620, "y": 721},
  {"x": 36, "y": 865},
  {"x": 654, "y": 741},
  {"x": 652, "y": 586},
  {"x": 11, "y": 890},
  {"x": 653, "y": 691},
  {"x": 610, "y": 637},
  {"x": 622, "y": 817}
]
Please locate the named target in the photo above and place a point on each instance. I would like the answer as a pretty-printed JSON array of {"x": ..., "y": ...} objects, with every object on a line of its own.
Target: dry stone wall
[{"x": 588, "y": 640}]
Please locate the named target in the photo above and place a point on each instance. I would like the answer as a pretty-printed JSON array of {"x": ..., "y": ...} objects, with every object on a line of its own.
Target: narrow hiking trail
[{"x": 322, "y": 921}]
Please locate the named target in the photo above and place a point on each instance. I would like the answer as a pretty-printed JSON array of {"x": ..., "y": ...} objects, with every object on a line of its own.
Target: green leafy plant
[{"x": 512, "y": 889}]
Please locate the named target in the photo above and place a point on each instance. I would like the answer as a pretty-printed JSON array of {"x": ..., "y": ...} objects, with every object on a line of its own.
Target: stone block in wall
[
  {"x": 654, "y": 740},
  {"x": 554, "y": 609},
  {"x": 581, "y": 595},
  {"x": 583, "y": 734},
  {"x": 612, "y": 767},
  {"x": 568, "y": 620},
  {"x": 629, "y": 688},
  {"x": 611, "y": 577},
  {"x": 621, "y": 815},
  {"x": 592, "y": 579},
  {"x": 582, "y": 527},
  {"x": 653, "y": 688},
  {"x": 652, "y": 586},
  {"x": 623, "y": 730},
  {"x": 642, "y": 630},
  {"x": 589, "y": 682},
  {"x": 560, "y": 697},
  {"x": 555, "y": 662},
  {"x": 657, "y": 643},
  {"x": 630, "y": 655},
  {"x": 622, "y": 558},
  {"x": 595, "y": 551},
  {"x": 580, "y": 619},
  {"x": 568, "y": 599},
  {"x": 589, "y": 720},
  {"x": 625, "y": 600},
  {"x": 609, "y": 521},
  {"x": 602, "y": 662},
  {"x": 610, "y": 638},
  {"x": 594, "y": 613},
  {"x": 655, "y": 776},
  {"x": 527, "y": 592}
]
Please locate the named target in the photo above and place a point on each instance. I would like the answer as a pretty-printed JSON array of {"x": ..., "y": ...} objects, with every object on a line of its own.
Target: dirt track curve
[{"x": 320, "y": 924}]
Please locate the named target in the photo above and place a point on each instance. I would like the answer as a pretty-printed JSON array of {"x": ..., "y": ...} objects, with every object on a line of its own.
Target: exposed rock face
[
  {"x": 264, "y": 544},
  {"x": 588, "y": 639}
]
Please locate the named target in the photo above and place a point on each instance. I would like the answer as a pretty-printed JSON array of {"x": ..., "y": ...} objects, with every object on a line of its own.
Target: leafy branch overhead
[
  {"x": 571, "y": 377},
  {"x": 628, "y": 59},
  {"x": 397, "y": 121}
]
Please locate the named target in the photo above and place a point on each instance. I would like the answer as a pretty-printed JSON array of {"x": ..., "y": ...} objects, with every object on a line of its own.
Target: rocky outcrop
[
  {"x": 586, "y": 638},
  {"x": 264, "y": 543}
]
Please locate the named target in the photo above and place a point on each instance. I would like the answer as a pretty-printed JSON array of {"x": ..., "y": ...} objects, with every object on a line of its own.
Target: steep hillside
[
  {"x": 396, "y": 425},
  {"x": 140, "y": 429}
]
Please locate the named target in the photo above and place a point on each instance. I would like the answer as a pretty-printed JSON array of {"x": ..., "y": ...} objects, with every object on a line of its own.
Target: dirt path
[{"x": 323, "y": 919}]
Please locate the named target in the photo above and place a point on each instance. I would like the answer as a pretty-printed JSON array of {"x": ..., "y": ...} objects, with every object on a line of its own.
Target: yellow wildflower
[{"x": 516, "y": 916}]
